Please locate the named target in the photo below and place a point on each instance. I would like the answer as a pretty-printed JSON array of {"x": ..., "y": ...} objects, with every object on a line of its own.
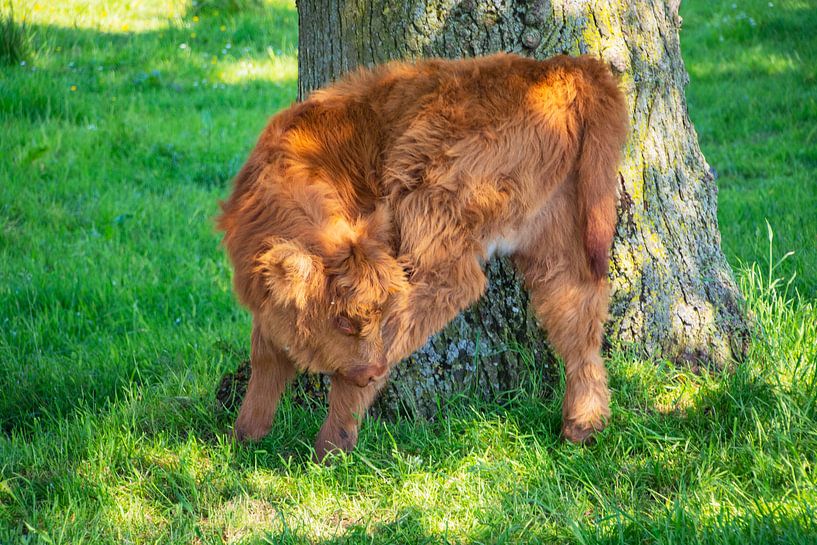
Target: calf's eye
[{"x": 345, "y": 325}]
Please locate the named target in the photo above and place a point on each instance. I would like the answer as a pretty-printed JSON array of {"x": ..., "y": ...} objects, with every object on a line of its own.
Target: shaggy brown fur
[{"x": 360, "y": 223}]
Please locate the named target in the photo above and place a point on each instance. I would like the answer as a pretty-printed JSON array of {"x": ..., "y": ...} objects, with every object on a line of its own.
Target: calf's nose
[{"x": 366, "y": 374}]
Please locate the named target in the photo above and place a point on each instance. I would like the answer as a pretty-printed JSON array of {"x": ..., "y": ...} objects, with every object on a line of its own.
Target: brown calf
[{"x": 361, "y": 221}]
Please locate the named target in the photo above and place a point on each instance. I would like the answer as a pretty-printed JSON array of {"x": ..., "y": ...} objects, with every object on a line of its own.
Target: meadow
[{"x": 121, "y": 125}]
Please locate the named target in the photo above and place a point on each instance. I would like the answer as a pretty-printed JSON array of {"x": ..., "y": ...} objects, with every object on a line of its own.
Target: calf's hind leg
[
  {"x": 572, "y": 307},
  {"x": 272, "y": 370}
]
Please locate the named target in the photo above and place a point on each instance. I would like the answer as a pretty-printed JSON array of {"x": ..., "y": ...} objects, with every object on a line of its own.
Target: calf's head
[{"x": 326, "y": 306}]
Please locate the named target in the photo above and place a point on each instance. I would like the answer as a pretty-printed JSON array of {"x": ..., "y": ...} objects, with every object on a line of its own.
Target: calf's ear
[{"x": 291, "y": 274}]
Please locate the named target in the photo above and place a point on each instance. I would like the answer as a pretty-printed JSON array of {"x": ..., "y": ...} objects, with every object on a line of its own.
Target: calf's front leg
[
  {"x": 438, "y": 292},
  {"x": 271, "y": 371},
  {"x": 433, "y": 300},
  {"x": 348, "y": 404}
]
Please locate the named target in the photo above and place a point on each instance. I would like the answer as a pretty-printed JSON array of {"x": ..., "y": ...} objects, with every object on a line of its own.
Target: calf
[{"x": 361, "y": 221}]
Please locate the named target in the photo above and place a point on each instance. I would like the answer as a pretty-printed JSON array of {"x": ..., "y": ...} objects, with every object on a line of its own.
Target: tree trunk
[{"x": 673, "y": 294}]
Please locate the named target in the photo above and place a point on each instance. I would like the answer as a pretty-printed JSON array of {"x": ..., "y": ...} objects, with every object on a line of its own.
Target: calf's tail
[{"x": 603, "y": 113}]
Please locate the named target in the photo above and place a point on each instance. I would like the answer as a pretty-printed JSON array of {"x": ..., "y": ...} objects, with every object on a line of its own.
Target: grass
[
  {"x": 753, "y": 98},
  {"x": 117, "y": 319}
]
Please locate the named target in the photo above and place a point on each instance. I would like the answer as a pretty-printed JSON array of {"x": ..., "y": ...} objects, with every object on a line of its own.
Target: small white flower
[
  {"x": 228, "y": 45},
  {"x": 22, "y": 63},
  {"x": 183, "y": 46}
]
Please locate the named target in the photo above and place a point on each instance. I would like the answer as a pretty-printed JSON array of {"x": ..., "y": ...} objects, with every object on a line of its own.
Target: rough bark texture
[{"x": 674, "y": 295}]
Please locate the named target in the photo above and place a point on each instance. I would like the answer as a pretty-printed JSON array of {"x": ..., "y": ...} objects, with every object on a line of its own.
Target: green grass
[
  {"x": 753, "y": 98},
  {"x": 14, "y": 39},
  {"x": 117, "y": 319}
]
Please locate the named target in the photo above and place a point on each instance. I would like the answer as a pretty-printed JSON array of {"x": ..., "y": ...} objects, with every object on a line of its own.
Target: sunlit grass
[
  {"x": 273, "y": 69},
  {"x": 111, "y": 16},
  {"x": 127, "y": 16},
  {"x": 749, "y": 63}
]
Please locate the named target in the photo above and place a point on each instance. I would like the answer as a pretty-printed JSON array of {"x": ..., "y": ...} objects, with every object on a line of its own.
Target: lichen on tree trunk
[{"x": 673, "y": 294}]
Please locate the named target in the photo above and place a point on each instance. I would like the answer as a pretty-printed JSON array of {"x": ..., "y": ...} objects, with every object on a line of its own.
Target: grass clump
[{"x": 15, "y": 39}]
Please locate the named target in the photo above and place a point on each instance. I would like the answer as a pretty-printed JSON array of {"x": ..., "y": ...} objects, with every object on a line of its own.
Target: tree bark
[{"x": 674, "y": 295}]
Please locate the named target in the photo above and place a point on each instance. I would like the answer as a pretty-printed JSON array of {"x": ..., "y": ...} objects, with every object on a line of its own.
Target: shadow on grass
[
  {"x": 105, "y": 100},
  {"x": 147, "y": 67}
]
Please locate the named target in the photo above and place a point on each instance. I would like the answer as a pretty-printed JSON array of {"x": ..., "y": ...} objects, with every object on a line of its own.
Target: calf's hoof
[
  {"x": 581, "y": 433},
  {"x": 245, "y": 430},
  {"x": 585, "y": 414},
  {"x": 333, "y": 440}
]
